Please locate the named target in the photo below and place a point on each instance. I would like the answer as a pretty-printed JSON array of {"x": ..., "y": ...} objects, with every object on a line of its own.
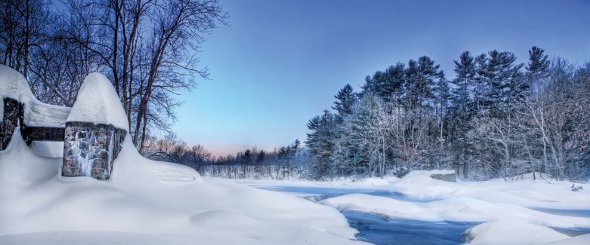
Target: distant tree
[
  {"x": 247, "y": 157},
  {"x": 260, "y": 157}
]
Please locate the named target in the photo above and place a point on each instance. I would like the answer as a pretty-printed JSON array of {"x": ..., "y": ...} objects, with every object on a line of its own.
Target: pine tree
[
  {"x": 321, "y": 143},
  {"x": 461, "y": 111},
  {"x": 366, "y": 145},
  {"x": 442, "y": 93},
  {"x": 387, "y": 85},
  {"x": 421, "y": 77},
  {"x": 345, "y": 99},
  {"x": 538, "y": 65},
  {"x": 505, "y": 80}
]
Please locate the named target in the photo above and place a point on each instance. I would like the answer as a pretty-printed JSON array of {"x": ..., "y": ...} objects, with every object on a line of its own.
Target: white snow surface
[
  {"x": 513, "y": 232},
  {"x": 460, "y": 209},
  {"x": 50, "y": 149},
  {"x": 507, "y": 208},
  {"x": 150, "y": 202},
  {"x": 97, "y": 102},
  {"x": 14, "y": 85}
]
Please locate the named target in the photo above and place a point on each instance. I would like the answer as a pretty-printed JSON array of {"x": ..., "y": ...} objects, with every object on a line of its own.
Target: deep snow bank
[
  {"x": 541, "y": 193},
  {"x": 459, "y": 209},
  {"x": 520, "y": 232},
  {"x": 506, "y": 207},
  {"x": 512, "y": 232},
  {"x": 169, "y": 202}
]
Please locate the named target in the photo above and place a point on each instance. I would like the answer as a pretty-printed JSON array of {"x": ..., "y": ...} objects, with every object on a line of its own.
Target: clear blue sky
[{"x": 281, "y": 62}]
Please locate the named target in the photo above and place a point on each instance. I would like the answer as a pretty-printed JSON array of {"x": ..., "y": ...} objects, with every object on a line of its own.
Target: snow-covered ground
[
  {"x": 508, "y": 211},
  {"x": 149, "y": 202}
]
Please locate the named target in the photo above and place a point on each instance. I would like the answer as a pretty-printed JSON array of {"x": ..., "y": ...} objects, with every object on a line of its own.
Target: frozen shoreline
[{"x": 524, "y": 205}]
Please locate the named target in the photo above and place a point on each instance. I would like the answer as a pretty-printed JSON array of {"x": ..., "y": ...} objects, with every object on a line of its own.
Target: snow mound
[
  {"x": 419, "y": 185},
  {"x": 130, "y": 165},
  {"x": 539, "y": 193},
  {"x": 93, "y": 237},
  {"x": 20, "y": 167},
  {"x": 15, "y": 86},
  {"x": 497, "y": 233},
  {"x": 97, "y": 102},
  {"x": 577, "y": 240},
  {"x": 459, "y": 209},
  {"x": 150, "y": 202},
  {"x": 382, "y": 206}
]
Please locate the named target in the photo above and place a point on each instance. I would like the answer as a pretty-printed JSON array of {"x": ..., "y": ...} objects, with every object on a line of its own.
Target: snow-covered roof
[
  {"x": 39, "y": 114},
  {"x": 97, "y": 102},
  {"x": 36, "y": 113},
  {"x": 14, "y": 85}
]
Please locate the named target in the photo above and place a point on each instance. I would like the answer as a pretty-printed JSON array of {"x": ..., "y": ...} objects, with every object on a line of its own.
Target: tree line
[
  {"x": 290, "y": 161},
  {"x": 286, "y": 162},
  {"x": 147, "y": 48},
  {"x": 496, "y": 118}
]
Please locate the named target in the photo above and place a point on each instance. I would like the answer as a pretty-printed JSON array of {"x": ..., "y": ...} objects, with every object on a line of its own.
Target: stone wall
[
  {"x": 12, "y": 118},
  {"x": 90, "y": 149}
]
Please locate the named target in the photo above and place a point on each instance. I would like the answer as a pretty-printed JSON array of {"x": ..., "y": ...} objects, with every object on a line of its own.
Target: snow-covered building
[{"x": 88, "y": 135}]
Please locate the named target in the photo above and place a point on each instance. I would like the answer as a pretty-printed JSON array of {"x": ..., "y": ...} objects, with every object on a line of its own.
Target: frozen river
[{"x": 378, "y": 229}]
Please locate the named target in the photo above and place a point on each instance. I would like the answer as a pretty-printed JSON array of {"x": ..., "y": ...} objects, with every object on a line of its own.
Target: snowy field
[
  {"x": 407, "y": 210},
  {"x": 149, "y": 202},
  {"x": 144, "y": 202}
]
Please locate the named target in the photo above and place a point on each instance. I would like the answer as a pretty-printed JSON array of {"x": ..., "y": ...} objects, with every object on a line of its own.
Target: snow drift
[
  {"x": 507, "y": 210},
  {"x": 169, "y": 202}
]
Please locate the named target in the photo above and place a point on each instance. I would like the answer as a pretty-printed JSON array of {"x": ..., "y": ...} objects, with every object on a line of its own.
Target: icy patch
[{"x": 97, "y": 102}]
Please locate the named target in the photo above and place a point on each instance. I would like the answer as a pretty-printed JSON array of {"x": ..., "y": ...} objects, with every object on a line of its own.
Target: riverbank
[{"x": 480, "y": 210}]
